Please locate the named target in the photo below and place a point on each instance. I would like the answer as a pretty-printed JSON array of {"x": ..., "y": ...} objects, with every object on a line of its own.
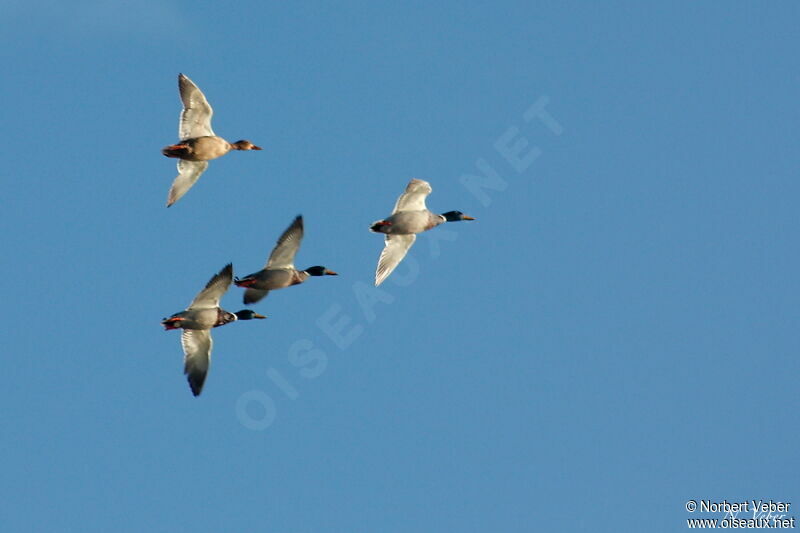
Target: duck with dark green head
[
  {"x": 279, "y": 271},
  {"x": 409, "y": 217},
  {"x": 197, "y": 320},
  {"x": 247, "y": 314}
]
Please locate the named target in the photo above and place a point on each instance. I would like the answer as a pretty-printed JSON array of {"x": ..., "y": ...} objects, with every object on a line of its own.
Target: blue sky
[{"x": 615, "y": 335}]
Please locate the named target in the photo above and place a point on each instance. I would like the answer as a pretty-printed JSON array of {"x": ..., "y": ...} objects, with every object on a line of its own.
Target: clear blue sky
[{"x": 615, "y": 335}]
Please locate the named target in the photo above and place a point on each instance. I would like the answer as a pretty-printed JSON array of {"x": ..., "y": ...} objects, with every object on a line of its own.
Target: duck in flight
[
  {"x": 197, "y": 320},
  {"x": 198, "y": 143},
  {"x": 409, "y": 217},
  {"x": 279, "y": 272}
]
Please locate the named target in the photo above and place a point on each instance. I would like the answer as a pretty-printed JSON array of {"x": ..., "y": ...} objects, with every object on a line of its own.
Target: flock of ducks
[{"x": 198, "y": 144}]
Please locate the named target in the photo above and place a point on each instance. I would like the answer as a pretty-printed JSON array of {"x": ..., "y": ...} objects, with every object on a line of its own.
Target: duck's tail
[
  {"x": 176, "y": 150},
  {"x": 172, "y": 322},
  {"x": 380, "y": 226}
]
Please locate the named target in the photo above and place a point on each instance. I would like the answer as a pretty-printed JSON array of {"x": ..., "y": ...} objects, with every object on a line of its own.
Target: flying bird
[
  {"x": 279, "y": 272},
  {"x": 409, "y": 217},
  {"x": 197, "y": 320},
  {"x": 198, "y": 143}
]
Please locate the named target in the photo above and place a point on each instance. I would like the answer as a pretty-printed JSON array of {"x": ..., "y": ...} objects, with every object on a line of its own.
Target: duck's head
[
  {"x": 455, "y": 216},
  {"x": 320, "y": 271},
  {"x": 244, "y": 144},
  {"x": 247, "y": 314}
]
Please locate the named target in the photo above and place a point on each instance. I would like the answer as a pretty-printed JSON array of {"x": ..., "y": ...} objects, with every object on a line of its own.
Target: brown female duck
[{"x": 198, "y": 143}]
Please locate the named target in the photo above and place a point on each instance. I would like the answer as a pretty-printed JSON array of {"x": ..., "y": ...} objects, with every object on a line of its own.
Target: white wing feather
[
  {"x": 394, "y": 250},
  {"x": 413, "y": 199},
  {"x": 209, "y": 297},
  {"x": 282, "y": 255},
  {"x": 195, "y": 118},
  {"x": 188, "y": 173},
  {"x": 197, "y": 345}
]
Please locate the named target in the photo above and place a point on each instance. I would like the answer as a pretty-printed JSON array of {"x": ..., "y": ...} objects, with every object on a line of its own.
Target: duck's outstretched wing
[
  {"x": 197, "y": 345},
  {"x": 413, "y": 199},
  {"x": 209, "y": 297},
  {"x": 195, "y": 118},
  {"x": 188, "y": 173},
  {"x": 252, "y": 296},
  {"x": 282, "y": 255},
  {"x": 394, "y": 250}
]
